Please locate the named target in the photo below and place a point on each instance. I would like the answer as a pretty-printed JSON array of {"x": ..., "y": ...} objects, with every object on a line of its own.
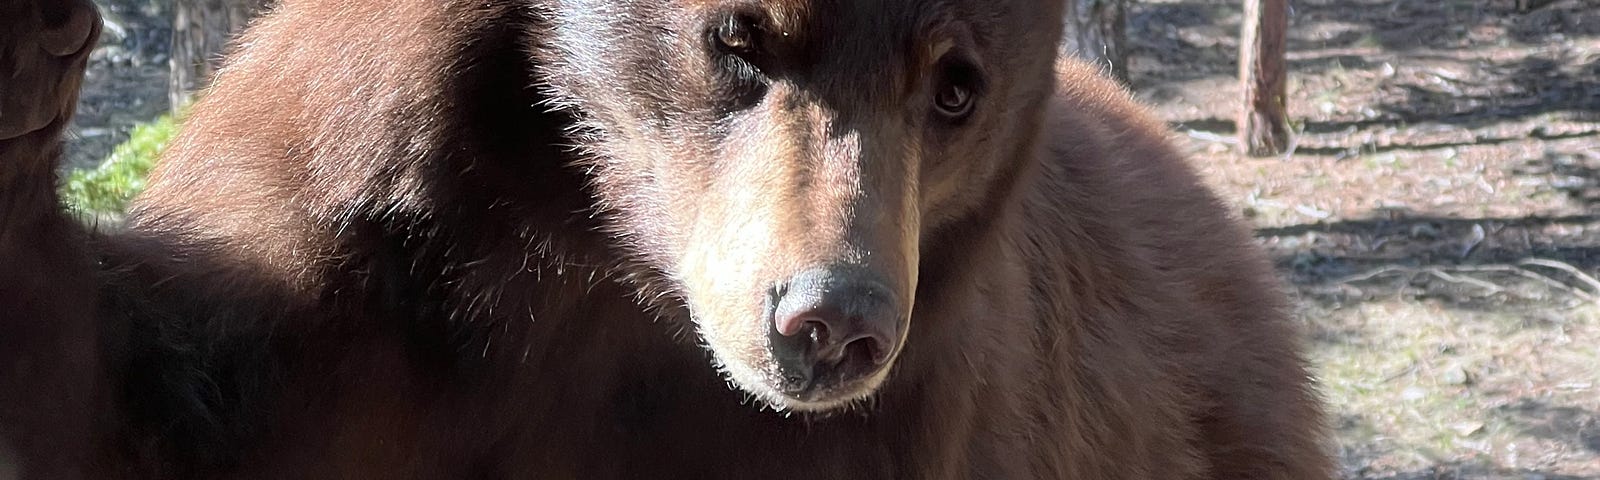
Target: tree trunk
[
  {"x": 1096, "y": 30},
  {"x": 201, "y": 29},
  {"x": 1263, "y": 71}
]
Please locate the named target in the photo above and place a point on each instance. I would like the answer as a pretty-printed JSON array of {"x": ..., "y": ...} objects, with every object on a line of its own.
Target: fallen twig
[
  {"x": 1454, "y": 274},
  {"x": 1441, "y": 274},
  {"x": 1212, "y": 137},
  {"x": 1370, "y": 274},
  {"x": 1565, "y": 267},
  {"x": 1529, "y": 274}
]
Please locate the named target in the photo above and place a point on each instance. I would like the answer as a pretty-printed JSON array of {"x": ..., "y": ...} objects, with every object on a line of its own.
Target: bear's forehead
[
  {"x": 840, "y": 19},
  {"x": 867, "y": 31}
]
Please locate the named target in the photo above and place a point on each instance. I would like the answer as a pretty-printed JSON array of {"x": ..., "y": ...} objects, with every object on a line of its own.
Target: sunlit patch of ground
[{"x": 1437, "y": 218}]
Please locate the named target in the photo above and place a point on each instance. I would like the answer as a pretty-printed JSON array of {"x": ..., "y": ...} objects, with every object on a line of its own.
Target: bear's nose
[{"x": 833, "y": 326}]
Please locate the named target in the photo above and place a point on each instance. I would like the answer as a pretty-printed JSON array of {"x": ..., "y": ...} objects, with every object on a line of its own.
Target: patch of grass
[{"x": 107, "y": 189}]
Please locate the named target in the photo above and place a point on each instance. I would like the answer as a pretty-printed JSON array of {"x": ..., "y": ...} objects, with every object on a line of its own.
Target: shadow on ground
[
  {"x": 1202, "y": 35},
  {"x": 1574, "y": 426},
  {"x": 1479, "y": 263},
  {"x": 1502, "y": 102}
]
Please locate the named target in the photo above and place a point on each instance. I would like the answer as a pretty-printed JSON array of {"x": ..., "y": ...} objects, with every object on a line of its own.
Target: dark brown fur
[
  {"x": 369, "y": 255},
  {"x": 48, "y": 373}
]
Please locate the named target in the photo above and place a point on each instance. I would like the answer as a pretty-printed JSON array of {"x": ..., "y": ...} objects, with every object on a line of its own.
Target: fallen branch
[
  {"x": 1370, "y": 274},
  {"x": 1441, "y": 274},
  {"x": 1565, "y": 267},
  {"x": 1532, "y": 275},
  {"x": 1456, "y": 274},
  {"x": 1212, "y": 137}
]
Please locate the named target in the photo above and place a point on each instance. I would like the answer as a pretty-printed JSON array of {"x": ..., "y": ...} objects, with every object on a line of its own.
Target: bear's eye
[
  {"x": 735, "y": 36},
  {"x": 735, "y": 44},
  {"x": 954, "y": 101},
  {"x": 739, "y": 62},
  {"x": 957, "y": 90}
]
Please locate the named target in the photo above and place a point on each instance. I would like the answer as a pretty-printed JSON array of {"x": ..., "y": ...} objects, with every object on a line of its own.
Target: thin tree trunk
[
  {"x": 201, "y": 29},
  {"x": 1096, "y": 30},
  {"x": 1263, "y": 71}
]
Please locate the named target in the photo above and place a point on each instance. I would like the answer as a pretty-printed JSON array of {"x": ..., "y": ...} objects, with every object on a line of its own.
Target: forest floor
[{"x": 1436, "y": 219}]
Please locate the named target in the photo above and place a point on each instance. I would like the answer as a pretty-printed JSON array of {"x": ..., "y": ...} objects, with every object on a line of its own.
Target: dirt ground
[{"x": 1436, "y": 219}]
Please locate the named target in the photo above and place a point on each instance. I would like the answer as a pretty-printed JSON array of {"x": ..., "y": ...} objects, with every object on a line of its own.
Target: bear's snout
[{"x": 832, "y": 328}]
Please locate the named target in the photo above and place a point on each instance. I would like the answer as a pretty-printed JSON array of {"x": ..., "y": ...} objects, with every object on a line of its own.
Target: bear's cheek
[
  {"x": 726, "y": 284},
  {"x": 955, "y": 182}
]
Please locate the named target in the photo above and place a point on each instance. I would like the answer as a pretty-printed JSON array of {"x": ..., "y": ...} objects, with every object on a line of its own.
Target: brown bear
[{"x": 680, "y": 239}]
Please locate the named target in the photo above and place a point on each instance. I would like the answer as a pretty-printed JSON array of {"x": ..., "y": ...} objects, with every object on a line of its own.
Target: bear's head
[{"x": 783, "y": 163}]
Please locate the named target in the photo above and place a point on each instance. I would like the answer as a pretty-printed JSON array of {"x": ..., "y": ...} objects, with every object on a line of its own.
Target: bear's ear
[{"x": 67, "y": 26}]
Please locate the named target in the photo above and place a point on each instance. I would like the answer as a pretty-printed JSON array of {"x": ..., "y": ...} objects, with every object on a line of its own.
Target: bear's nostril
[
  {"x": 865, "y": 351},
  {"x": 818, "y": 331},
  {"x": 833, "y": 327}
]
